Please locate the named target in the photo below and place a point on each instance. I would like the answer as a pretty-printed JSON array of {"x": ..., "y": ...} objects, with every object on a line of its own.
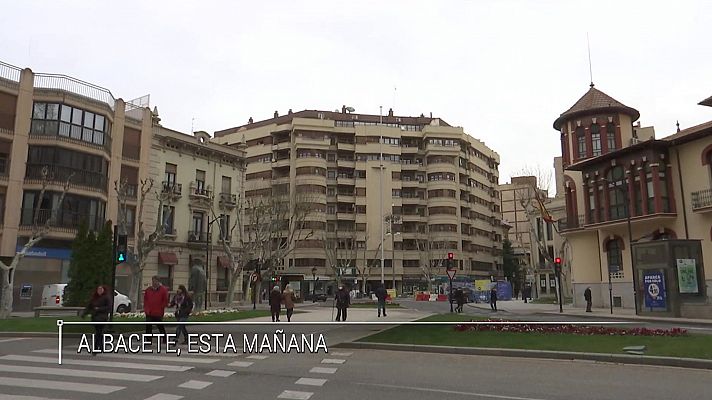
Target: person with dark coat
[
  {"x": 460, "y": 299},
  {"x": 288, "y": 298},
  {"x": 587, "y": 297},
  {"x": 343, "y": 301},
  {"x": 99, "y": 307},
  {"x": 275, "y": 303},
  {"x": 155, "y": 301},
  {"x": 381, "y": 295},
  {"x": 493, "y": 299},
  {"x": 183, "y": 303}
]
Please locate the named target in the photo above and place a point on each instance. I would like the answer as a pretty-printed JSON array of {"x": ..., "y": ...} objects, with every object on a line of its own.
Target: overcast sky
[{"x": 503, "y": 70}]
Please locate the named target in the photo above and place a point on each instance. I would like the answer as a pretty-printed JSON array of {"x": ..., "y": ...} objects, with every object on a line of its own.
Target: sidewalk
[{"x": 520, "y": 308}]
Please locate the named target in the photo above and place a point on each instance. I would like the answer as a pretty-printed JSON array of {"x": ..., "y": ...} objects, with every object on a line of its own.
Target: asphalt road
[{"x": 28, "y": 371}]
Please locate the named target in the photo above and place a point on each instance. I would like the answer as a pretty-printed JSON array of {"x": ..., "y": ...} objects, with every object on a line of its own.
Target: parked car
[
  {"x": 319, "y": 296},
  {"x": 53, "y": 296}
]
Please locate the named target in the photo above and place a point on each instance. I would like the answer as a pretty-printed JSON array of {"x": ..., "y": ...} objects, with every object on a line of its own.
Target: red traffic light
[
  {"x": 450, "y": 256},
  {"x": 557, "y": 260}
]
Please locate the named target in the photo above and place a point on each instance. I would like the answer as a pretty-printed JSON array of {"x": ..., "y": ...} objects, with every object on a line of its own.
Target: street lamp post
[
  {"x": 391, "y": 220},
  {"x": 380, "y": 178},
  {"x": 314, "y": 285}
]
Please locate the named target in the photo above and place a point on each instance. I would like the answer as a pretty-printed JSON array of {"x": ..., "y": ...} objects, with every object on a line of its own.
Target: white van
[{"x": 53, "y": 296}]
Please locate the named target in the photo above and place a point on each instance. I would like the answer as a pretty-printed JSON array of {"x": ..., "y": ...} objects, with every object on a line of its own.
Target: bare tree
[
  {"x": 364, "y": 272},
  {"x": 145, "y": 242},
  {"x": 340, "y": 252},
  {"x": 431, "y": 258},
  {"x": 274, "y": 224},
  {"x": 41, "y": 225}
]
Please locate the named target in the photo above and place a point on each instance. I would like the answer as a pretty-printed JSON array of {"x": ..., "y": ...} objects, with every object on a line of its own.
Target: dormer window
[
  {"x": 611, "y": 136},
  {"x": 581, "y": 142},
  {"x": 595, "y": 140}
]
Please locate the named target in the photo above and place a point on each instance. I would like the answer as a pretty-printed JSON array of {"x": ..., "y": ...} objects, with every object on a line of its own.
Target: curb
[
  {"x": 630, "y": 318},
  {"x": 555, "y": 355}
]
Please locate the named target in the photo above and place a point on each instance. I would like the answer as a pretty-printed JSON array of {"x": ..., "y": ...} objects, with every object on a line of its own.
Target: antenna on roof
[
  {"x": 678, "y": 126},
  {"x": 192, "y": 125},
  {"x": 590, "y": 69},
  {"x": 394, "y": 97}
]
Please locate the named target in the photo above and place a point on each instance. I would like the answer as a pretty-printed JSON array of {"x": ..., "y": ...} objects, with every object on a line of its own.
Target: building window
[
  {"x": 89, "y": 170},
  {"x": 226, "y": 185},
  {"x": 3, "y": 163},
  {"x": 165, "y": 275},
  {"x": 651, "y": 188},
  {"x": 614, "y": 255},
  {"x": 638, "y": 196},
  {"x": 197, "y": 226},
  {"x": 170, "y": 175},
  {"x": 2, "y": 208},
  {"x": 664, "y": 197},
  {"x": 616, "y": 193},
  {"x": 591, "y": 206},
  {"x": 549, "y": 231},
  {"x": 595, "y": 140},
  {"x": 539, "y": 230},
  {"x": 611, "y": 136},
  {"x": 199, "y": 181},
  {"x": 168, "y": 217},
  {"x": 60, "y": 119},
  {"x": 224, "y": 222},
  {"x": 581, "y": 140},
  {"x": 130, "y": 219}
]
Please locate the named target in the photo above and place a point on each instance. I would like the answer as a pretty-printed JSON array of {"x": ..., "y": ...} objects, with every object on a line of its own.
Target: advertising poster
[
  {"x": 687, "y": 275},
  {"x": 654, "y": 284}
]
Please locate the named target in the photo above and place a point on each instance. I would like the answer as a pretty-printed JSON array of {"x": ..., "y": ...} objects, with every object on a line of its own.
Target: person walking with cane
[
  {"x": 275, "y": 303},
  {"x": 288, "y": 299}
]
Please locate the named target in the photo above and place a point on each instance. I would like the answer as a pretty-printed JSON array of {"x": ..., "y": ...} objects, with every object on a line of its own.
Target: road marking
[
  {"x": 294, "y": 395},
  {"x": 241, "y": 364},
  {"x": 51, "y": 360},
  {"x": 257, "y": 357},
  {"x": 164, "y": 396},
  {"x": 134, "y": 356},
  {"x": 220, "y": 373},
  {"x": 78, "y": 372},
  {"x": 18, "y": 397},
  {"x": 321, "y": 370},
  {"x": 191, "y": 384},
  {"x": 59, "y": 385},
  {"x": 12, "y": 339},
  {"x": 332, "y": 361},
  {"x": 483, "y": 395},
  {"x": 346, "y": 354},
  {"x": 310, "y": 381}
]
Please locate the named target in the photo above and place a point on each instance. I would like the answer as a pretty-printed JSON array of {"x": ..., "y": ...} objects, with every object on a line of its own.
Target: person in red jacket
[{"x": 155, "y": 300}]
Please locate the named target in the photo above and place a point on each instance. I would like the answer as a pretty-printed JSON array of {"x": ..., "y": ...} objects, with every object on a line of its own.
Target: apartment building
[
  {"x": 199, "y": 183},
  {"x": 410, "y": 180},
  {"x": 68, "y": 128},
  {"x": 621, "y": 187}
]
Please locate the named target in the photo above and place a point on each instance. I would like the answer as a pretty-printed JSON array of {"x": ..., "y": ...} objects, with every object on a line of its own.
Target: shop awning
[
  {"x": 167, "y": 258},
  {"x": 224, "y": 261}
]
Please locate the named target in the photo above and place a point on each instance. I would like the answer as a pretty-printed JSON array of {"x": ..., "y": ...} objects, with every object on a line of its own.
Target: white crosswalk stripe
[
  {"x": 59, "y": 371},
  {"x": 320, "y": 370},
  {"x": 131, "y": 356},
  {"x": 342, "y": 354},
  {"x": 332, "y": 361},
  {"x": 164, "y": 396},
  {"x": 257, "y": 357},
  {"x": 18, "y": 397},
  {"x": 221, "y": 373},
  {"x": 12, "y": 339},
  {"x": 310, "y": 382},
  {"x": 59, "y": 385},
  {"x": 98, "y": 363},
  {"x": 241, "y": 364},
  {"x": 192, "y": 384},
  {"x": 294, "y": 395}
]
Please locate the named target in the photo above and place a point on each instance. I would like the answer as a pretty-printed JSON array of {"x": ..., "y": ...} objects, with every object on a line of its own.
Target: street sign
[{"x": 451, "y": 273}]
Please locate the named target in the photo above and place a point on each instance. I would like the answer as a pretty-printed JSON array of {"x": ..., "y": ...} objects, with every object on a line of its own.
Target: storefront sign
[
  {"x": 39, "y": 252},
  {"x": 26, "y": 291},
  {"x": 655, "y": 291},
  {"x": 687, "y": 275}
]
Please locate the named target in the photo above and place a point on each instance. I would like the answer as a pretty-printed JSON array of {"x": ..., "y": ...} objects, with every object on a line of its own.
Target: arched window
[
  {"x": 616, "y": 193},
  {"x": 614, "y": 256},
  {"x": 596, "y": 140},
  {"x": 581, "y": 142},
  {"x": 611, "y": 136}
]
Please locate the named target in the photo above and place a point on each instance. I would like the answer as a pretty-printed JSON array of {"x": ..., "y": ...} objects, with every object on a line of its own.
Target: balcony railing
[
  {"x": 60, "y": 174},
  {"x": 199, "y": 190},
  {"x": 197, "y": 237},
  {"x": 10, "y": 72},
  {"x": 701, "y": 199},
  {"x": 131, "y": 190},
  {"x": 63, "y": 219},
  {"x": 228, "y": 199},
  {"x": 571, "y": 223},
  {"x": 76, "y": 86},
  {"x": 172, "y": 188}
]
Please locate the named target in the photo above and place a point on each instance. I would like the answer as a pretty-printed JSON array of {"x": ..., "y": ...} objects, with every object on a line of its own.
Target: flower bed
[
  {"x": 171, "y": 313},
  {"x": 568, "y": 329}
]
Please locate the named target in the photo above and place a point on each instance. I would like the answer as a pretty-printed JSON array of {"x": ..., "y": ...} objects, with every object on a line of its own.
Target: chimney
[
  {"x": 422, "y": 116},
  {"x": 276, "y": 114},
  {"x": 343, "y": 109},
  {"x": 250, "y": 121},
  {"x": 390, "y": 112},
  {"x": 431, "y": 114},
  {"x": 290, "y": 111}
]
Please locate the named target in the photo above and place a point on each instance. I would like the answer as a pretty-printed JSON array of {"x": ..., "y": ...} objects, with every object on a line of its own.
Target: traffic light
[
  {"x": 557, "y": 265},
  {"x": 121, "y": 249},
  {"x": 450, "y": 261}
]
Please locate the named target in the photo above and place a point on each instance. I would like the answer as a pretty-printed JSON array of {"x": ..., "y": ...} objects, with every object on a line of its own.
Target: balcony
[
  {"x": 198, "y": 190},
  {"x": 59, "y": 175},
  {"x": 63, "y": 221},
  {"x": 172, "y": 189},
  {"x": 702, "y": 200},
  {"x": 131, "y": 190},
  {"x": 7, "y": 133},
  {"x": 197, "y": 237},
  {"x": 131, "y": 152},
  {"x": 228, "y": 200},
  {"x": 567, "y": 224}
]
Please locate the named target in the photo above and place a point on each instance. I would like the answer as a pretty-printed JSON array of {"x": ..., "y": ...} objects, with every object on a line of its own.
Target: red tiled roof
[
  {"x": 690, "y": 133},
  {"x": 706, "y": 102},
  {"x": 595, "y": 100}
]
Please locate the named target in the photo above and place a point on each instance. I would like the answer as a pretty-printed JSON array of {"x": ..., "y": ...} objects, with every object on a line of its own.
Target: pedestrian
[
  {"x": 587, "y": 296},
  {"x": 275, "y": 303},
  {"x": 155, "y": 301},
  {"x": 381, "y": 295},
  {"x": 288, "y": 300},
  {"x": 343, "y": 300},
  {"x": 99, "y": 307},
  {"x": 183, "y": 303},
  {"x": 527, "y": 293},
  {"x": 460, "y": 298},
  {"x": 493, "y": 299}
]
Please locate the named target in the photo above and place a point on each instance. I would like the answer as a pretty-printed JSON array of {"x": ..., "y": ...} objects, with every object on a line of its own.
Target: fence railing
[
  {"x": 197, "y": 237},
  {"x": 76, "y": 86},
  {"x": 62, "y": 219},
  {"x": 572, "y": 223},
  {"x": 57, "y": 173},
  {"x": 10, "y": 72},
  {"x": 701, "y": 199}
]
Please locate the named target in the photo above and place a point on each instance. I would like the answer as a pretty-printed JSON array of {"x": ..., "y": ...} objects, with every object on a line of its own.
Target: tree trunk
[
  {"x": 234, "y": 278},
  {"x": 6, "y": 299},
  {"x": 136, "y": 279}
]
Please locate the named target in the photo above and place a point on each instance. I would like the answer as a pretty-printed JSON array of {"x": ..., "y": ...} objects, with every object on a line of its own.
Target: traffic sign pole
[{"x": 113, "y": 270}]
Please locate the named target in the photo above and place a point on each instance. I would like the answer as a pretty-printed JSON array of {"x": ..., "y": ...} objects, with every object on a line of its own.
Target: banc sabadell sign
[{"x": 41, "y": 252}]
